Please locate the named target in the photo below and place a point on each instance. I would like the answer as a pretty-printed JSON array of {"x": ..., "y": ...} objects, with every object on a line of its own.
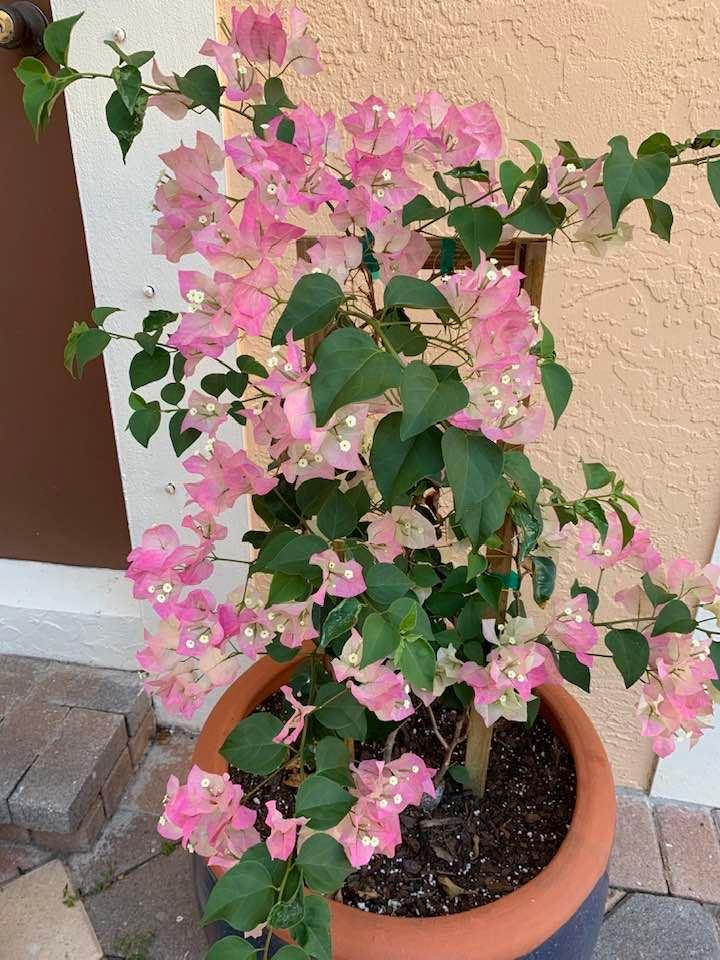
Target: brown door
[{"x": 60, "y": 495}]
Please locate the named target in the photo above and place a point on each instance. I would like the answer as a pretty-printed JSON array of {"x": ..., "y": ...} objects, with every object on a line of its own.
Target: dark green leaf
[
  {"x": 56, "y": 38},
  {"x": 657, "y": 143},
  {"x": 479, "y": 229},
  {"x": 313, "y": 303},
  {"x": 533, "y": 149},
  {"x": 444, "y": 189},
  {"x": 534, "y": 214},
  {"x": 415, "y": 294},
  {"x": 517, "y": 466},
  {"x": 243, "y": 896},
  {"x": 592, "y": 596},
  {"x": 332, "y": 758},
  {"x": 656, "y": 595},
  {"x": 100, "y": 314},
  {"x": 713, "y": 175},
  {"x": 232, "y": 948},
  {"x": 675, "y": 617},
  {"x": 661, "y": 218},
  {"x": 89, "y": 345},
  {"x": 338, "y": 710},
  {"x": 337, "y": 516},
  {"x": 557, "y": 384},
  {"x": 380, "y": 639},
  {"x": 312, "y": 494},
  {"x": 715, "y": 657},
  {"x": 290, "y": 552},
  {"x": 250, "y": 745},
  {"x": 275, "y": 95},
  {"x": 290, "y": 952},
  {"x": 628, "y": 530},
  {"x": 482, "y": 520},
  {"x": 630, "y": 651},
  {"x": 473, "y": 465},
  {"x": 286, "y": 588},
  {"x": 573, "y": 671},
  {"x": 398, "y": 465},
  {"x": 511, "y": 176},
  {"x": 146, "y": 368},
  {"x": 214, "y": 384},
  {"x": 200, "y": 84},
  {"x": 592, "y": 511},
  {"x": 178, "y": 367},
  {"x": 124, "y": 124},
  {"x": 420, "y": 208},
  {"x": 128, "y": 81},
  {"x": 427, "y": 400},
  {"x": 76, "y": 331},
  {"x": 247, "y": 364},
  {"x": 626, "y": 178},
  {"x": 314, "y": 932},
  {"x": 181, "y": 439},
  {"x": 596, "y": 476},
  {"x": 323, "y": 863},
  {"x": 350, "y": 369},
  {"x": 386, "y": 582},
  {"x": 143, "y": 424},
  {"x": 172, "y": 393},
  {"x": 460, "y": 774},
  {"x": 322, "y": 801},
  {"x": 543, "y": 579},
  {"x": 158, "y": 319},
  {"x": 416, "y": 660},
  {"x": 339, "y": 621},
  {"x": 236, "y": 382},
  {"x": 30, "y": 69}
]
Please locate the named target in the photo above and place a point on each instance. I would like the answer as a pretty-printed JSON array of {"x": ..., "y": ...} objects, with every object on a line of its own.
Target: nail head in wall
[
  {"x": 148, "y": 291},
  {"x": 119, "y": 35}
]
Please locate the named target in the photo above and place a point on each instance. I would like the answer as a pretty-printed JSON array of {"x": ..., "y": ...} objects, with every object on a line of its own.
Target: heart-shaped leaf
[{"x": 427, "y": 400}]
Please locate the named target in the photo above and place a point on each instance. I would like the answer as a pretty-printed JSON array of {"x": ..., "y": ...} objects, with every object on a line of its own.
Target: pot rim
[{"x": 508, "y": 928}]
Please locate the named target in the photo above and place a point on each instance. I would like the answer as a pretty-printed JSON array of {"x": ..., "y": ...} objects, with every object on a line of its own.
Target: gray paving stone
[
  {"x": 169, "y": 754},
  {"x": 81, "y": 839},
  {"x": 58, "y": 790},
  {"x": 690, "y": 846},
  {"x": 645, "y": 927},
  {"x": 128, "y": 840},
  {"x": 19, "y": 675},
  {"x": 24, "y": 733},
  {"x": 110, "y": 691},
  {"x": 114, "y": 786},
  {"x": 140, "y": 741},
  {"x": 636, "y": 863},
  {"x": 153, "y": 905}
]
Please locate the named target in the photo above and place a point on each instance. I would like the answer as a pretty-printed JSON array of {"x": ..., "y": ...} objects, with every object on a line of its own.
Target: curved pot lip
[{"x": 508, "y": 928}]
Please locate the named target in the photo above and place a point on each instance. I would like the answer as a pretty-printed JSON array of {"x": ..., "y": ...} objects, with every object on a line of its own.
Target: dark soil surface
[{"x": 464, "y": 852}]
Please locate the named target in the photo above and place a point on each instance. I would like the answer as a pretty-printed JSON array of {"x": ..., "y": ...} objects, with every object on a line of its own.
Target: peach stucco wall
[{"x": 640, "y": 330}]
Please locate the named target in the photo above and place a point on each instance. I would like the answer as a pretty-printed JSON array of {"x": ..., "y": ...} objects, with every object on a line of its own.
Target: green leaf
[
  {"x": 138, "y": 59},
  {"x": 592, "y": 511},
  {"x": 89, "y": 345},
  {"x": 247, "y": 364},
  {"x": 397, "y": 465},
  {"x": 313, "y": 303},
  {"x": 473, "y": 465},
  {"x": 511, "y": 176},
  {"x": 76, "y": 331},
  {"x": 323, "y": 863},
  {"x": 125, "y": 124},
  {"x": 380, "y": 639},
  {"x": 427, "y": 400},
  {"x": 596, "y": 476},
  {"x": 337, "y": 516},
  {"x": 337, "y": 710},
  {"x": 172, "y": 393},
  {"x": 715, "y": 657},
  {"x": 289, "y": 552},
  {"x": 460, "y": 774},
  {"x": 592, "y": 596},
  {"x": 661, "y": 218},
  {"x": 543, "y": 579},
  {"x": 444, "y": 189},
  {"x": 420, "y": 208},
  {"x": 675, "y": 617},
  {"x": 290, "y": 953},
  {"x": 128, "y": 81},
  {"x": 56, "y": 38},
  {"x": 416, "y": 660},
  {"x": 181, "y": 439},
  {"x": 243, "y": 896},
  {"x": 627, "y": 178},
  {"x": 339, "y": 621},
  {"x": 628, "y": 530},
  {"x": 232, "y": 948},
  {"x": 350, "y": 369},
  {"x": 100, "y": 314},
  {"x": 146, "y": 368},
  {"x": 656, "y": 595},
  {"x": 312, "y": 494},
  {"x": 630, "y": 651},
  {"x": 479, "y": 228},
  {"x": 386, "y": 582},
  {"x": 534, "y": 214},
  {"x": 415, "y": 294},
  {"x": 557, "y": 384},
  {"x": 482, "y": 520},
  {"x": 517, "y": 466},
  {"x": 275, "y": 95},
  {"x": 332, "y": 758},
  {"x": 201, "y": 85},
  {"x": 236, "y": 382},
  {"x": 657, "y": 143},
  {"x": 314, "y": 932},
  {"x": 214, "y": 384},
  {"x": 322, "y": 801},
  {"x": 250, "y": 745},
  {"x": 533, "y": 149},
  {"x": 713, "y": 175},
  {"x": 573, "y": 671},
  {"x": 29, "y": 69},
  {"x": 143, "y": 424},
  {"x": 286, "y": 588}
]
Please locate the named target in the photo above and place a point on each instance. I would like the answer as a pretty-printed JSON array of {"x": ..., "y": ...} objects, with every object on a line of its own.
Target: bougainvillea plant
[{"x": 405, "y": 543}]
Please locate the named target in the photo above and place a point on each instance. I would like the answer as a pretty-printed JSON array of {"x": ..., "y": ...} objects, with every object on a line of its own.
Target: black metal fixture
[{"x": 22, "y": 26}]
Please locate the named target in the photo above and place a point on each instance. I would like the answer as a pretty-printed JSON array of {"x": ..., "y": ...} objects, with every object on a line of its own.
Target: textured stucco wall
[{"x": 640, "y": 331}]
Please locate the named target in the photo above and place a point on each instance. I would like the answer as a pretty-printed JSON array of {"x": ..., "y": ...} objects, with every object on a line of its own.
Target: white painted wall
[
  {"x": 66, "y": 612},
  {"x": 693, "y": 775}
]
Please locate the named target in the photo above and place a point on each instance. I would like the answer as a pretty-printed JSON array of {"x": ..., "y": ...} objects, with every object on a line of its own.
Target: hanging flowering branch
[{"x": 410, "y": 547}]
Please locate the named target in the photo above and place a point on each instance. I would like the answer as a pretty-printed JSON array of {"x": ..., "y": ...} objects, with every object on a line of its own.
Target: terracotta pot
[{"x": 556, "y": 915}]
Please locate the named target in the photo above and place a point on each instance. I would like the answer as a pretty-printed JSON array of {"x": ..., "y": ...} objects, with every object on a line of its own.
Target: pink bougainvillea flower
[
  {"x": 302, "y": 50},
  {"x": 336, "y": 256},
  {"x": 160, "y": 564},
  {"x": 447, "y": 671},
  {"x": 294, "y": 726},
  {"x": 574, "y": 186},
  {"x": 196, "y": 338},
  {"x": 639, "y": 552},
  {"x": 283, "y": 831},
  {"x": 199, "y": 626},
  {"x": 293, "y": 622},
  {"x": 395, "y": 785},
  {"x": 172, "y": 104},
  {"x": 341, "y": 578},
  {"x": 205, "y": 526},
  {"x": 348, "y": 663},
  {"x": 386, "y": 695},
  {"x": 259, "y": 36},
  {"x": 412, "y": 529},
  {"x": 243, "y": 80},
  {"x": 570, "y": 628},
  {"x": 250, "y": 628},
  {"x": 226, "y": 475},
  {"x": 382, "y": 539},
  {"x": 205, "y": 414},
  {"x": 362, "y": 833},
  {"x": 398, "y": 249}
]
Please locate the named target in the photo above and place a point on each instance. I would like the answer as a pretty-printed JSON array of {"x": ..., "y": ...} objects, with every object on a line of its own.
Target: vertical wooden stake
[{"x": 477, "y": 752}]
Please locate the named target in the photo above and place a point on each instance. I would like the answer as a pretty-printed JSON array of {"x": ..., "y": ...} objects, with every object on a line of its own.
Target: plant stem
[
  {"x": 477, "y": 752},
  {"x": 458, "y": 736}
]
